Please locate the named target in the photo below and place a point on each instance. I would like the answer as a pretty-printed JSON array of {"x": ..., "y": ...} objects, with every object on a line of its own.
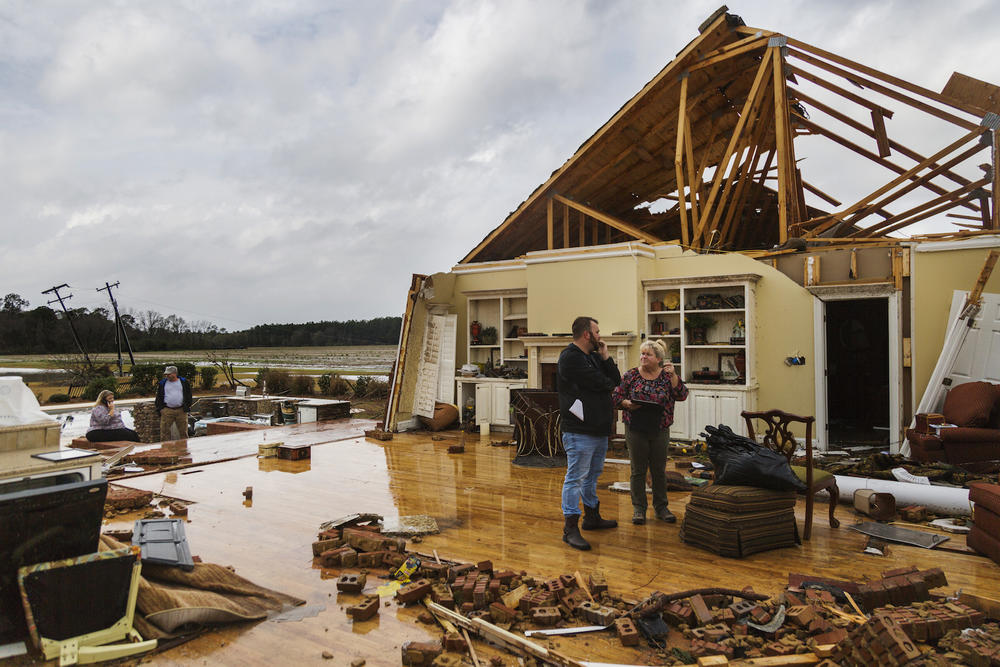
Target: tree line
[{"x": 42, "y": 330}]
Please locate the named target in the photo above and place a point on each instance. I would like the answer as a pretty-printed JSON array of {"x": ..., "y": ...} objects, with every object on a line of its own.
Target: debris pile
[{"x": 892, "y": 620}]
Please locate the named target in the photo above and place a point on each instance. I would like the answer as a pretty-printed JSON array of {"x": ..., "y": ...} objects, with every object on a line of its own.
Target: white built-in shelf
[
  {"x": 714, "y": 310},
  {"x": 664, "y": 312},
  {"x": 513, "y": 340},
  {"x": 716, "y": 346},
  {"x": 485, "y": 347},
  {"x": 516, "y": 316}
]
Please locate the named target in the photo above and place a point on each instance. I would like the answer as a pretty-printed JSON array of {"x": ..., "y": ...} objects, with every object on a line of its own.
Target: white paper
[
  {"x": 902, "y": 475},
  {"x": 577, "y": 409}
]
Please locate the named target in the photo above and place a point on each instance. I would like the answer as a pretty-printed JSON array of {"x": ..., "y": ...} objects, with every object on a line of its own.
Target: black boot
[
  {"x": 663, "y": 514},
  {"x": 592, "y": 519},
  {"x": 571, "y": 534}
]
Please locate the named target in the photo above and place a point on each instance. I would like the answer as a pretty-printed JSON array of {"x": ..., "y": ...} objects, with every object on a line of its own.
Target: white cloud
[{"x": 259, "y": 161}]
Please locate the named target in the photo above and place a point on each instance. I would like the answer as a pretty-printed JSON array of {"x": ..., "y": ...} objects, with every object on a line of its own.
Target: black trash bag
[{"x": 739, "y": 461}]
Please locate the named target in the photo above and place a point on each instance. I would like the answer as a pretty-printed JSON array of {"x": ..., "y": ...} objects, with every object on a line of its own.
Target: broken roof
[{"x": 710, "y": 130}]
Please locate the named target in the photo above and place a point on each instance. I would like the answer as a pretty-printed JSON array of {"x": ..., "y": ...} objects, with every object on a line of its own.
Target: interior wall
[{"x": 934, "y": 276}]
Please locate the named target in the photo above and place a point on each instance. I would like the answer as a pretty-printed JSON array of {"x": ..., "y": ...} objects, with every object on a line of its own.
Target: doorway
[{"x": 858, "y": 378}]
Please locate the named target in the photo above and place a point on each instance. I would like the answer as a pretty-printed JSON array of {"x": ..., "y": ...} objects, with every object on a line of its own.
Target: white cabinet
[
  {"x": 491, "y": 396},
  {"x": 713, "y": 406}
]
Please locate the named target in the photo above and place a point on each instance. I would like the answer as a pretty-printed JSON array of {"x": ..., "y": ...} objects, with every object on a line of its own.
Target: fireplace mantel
[{"x": 546, "y": 349}]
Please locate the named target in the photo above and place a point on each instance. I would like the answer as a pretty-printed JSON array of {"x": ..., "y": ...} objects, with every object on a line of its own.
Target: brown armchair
[
  {"x": 974, "y": 409},
  {"x": 779, "y": 438}
]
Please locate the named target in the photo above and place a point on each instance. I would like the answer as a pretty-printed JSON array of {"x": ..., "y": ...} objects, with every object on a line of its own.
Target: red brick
[
  {"x": 351, "y": 583},
  {"x": 627, "y": 632},
  {"x": 364, "y": 609},
  {"x": 546, "y": 615},
  {"x": 420, "y": 653},
  {"x": 414, "y": 591}
]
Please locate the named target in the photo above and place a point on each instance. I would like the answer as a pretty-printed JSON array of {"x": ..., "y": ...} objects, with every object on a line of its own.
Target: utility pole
[
  {"x": 120, "y": 332},
  {"x": 69, "y": 317}
]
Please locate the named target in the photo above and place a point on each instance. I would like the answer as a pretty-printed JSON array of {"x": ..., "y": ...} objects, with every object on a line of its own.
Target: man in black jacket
[
  {"x": 587, "y": 375},
  {"x": 173, "y": 402}
]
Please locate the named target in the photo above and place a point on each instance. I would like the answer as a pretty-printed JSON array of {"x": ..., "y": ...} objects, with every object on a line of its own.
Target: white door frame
[{"x": 824, "y": 294}]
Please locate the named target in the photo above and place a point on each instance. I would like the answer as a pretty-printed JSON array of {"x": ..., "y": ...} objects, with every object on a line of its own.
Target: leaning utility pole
[
  {"x": 69, "y": 317},
  {"x": 120, "y": 332}
]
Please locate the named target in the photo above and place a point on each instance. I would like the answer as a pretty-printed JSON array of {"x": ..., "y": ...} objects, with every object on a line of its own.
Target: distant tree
[{"x": 14, "y": 303}]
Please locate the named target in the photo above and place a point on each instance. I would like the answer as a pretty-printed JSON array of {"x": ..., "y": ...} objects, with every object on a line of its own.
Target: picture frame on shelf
[{"x": 728, "y": 369}]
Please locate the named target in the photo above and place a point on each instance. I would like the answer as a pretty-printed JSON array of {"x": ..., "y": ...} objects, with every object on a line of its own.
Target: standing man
[
  {"x": 587, "y": 375},
  {"x": 173, "y": 402}
]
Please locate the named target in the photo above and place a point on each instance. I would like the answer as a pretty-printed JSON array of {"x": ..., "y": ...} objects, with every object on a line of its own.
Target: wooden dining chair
[{"x": 778, "y": 437}]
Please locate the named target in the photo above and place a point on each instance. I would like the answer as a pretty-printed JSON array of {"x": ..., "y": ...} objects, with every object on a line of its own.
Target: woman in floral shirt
[{"x": 647, "y": 394}]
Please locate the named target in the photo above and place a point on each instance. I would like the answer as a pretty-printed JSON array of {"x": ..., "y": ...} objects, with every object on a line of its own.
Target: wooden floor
[{"x": 487, "y": 508}]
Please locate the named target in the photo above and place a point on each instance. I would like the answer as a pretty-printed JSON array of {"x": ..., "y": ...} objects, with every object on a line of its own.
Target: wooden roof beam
[
  {"x": 882, "y": 76},
  {"x": 834, "y": 88},
  {"x": 879, "y": 88},
  {"x": 611, "y": 221},
  {"x": 729, "y": 51},
  {"x": 918, "y": 213},
  {"x": 904, "y": 176},
  {"x": 864, "y": 129}
]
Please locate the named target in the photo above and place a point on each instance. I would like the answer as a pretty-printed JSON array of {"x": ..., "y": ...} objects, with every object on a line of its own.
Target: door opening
[{"x": 857, "y": 382}]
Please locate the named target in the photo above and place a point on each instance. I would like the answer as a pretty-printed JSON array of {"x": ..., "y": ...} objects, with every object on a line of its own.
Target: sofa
[
  {"x": 974, "y": 409},
  {"x": 985, "y": 534}
]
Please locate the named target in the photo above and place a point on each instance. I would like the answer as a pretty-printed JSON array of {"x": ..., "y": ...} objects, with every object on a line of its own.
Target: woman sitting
[
  {"x": 106, "y": 423},
  {"x": 647, "y": 394}
]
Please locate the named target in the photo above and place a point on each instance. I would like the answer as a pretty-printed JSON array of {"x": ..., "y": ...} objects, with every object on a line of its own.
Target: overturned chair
[{"x": 778, "y": 437}]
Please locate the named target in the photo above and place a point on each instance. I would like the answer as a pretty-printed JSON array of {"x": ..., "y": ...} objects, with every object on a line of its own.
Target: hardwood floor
[{"x": 486, "y": 509}]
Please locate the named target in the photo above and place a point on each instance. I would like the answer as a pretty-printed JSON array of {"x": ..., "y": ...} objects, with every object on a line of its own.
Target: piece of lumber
[
  {"x": 734, "y": 140},
  {"x": 608, "y": 220},
  {"x": 884, "y": 90},
  {"x": 729, "y": 51},
  {"x": 881, "y": 136},
  {"x": 565, "y": 230},
  {"x": 679, "y": 158},
  {"x": 781, "y": 120},
  {"x": 843, "y": 92},
  {"x": 549, "y": 214},
  {"x": 878, "y": 74},
  {"x": 948, "y": 197}
]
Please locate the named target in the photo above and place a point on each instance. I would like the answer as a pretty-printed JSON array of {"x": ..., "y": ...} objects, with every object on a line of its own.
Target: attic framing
[{"x": 714, "y": 136}]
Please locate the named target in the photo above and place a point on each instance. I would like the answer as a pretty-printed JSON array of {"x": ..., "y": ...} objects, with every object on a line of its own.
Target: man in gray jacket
[{"x": 587, "y": 375}]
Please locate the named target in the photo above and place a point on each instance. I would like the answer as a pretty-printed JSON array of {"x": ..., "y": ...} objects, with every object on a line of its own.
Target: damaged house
[{"x": 691, "y": 217}]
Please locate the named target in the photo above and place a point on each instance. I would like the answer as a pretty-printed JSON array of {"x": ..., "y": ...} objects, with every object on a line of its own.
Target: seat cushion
[
  {"x": 819, "y": 476},
  {"x": 966, "y": 434},
  {"x": 970, "y": 404},
  {"x": 986, "y": 495},
  {"x": 741, "y": 499}
]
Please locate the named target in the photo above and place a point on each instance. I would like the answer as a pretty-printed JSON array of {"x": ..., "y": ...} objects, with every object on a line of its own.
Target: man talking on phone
[{"x": 587, "y": 375}]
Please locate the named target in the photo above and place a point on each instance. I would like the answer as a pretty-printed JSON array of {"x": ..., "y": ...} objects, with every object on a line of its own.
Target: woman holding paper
[{"x": 647, "y": 395}]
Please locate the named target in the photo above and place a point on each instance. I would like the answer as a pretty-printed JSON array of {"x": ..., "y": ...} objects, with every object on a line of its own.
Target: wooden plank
[
  {"x": 853, "y": 274},
  {"x": 819, "y": 193},
  {"x": 679, "y": 159},
  {"x": 738, "y": 200},
  {"x": 565, "y": 230},
  {"x": 996, "y": 180},
  {"x": 888, "y": 92},
  {"x": 882, "y": 76},
  {"x": 984, "y": 275},
  {"x": 947, "y": 198},
  {"x": 923, "y": 216},
  {"x": 974, "y": 93},
  {"x": 734, "y": 140},
  {"x": 583, "y": 229},
  {"x": 693, "y": 192},
  {"x": 729, "y": 51},
  {"x": 843, "y": 92},
  {"x": 881, "y": 137},
  {"x": 608, "y": 220},
  {"x": 780, "y": 141},
  {"x": 550, "y": 230}
]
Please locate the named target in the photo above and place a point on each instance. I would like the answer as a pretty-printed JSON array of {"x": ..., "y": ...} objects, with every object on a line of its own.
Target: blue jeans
[{"x": 584, "y": 464}]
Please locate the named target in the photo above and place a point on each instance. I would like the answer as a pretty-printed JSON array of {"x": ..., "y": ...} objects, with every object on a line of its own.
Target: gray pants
[{"x": 648, "y": 452}]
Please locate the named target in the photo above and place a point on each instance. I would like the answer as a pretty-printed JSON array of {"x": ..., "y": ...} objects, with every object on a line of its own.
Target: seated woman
[
  {"x": 647, "y": 393},
  {"x": 106, "y": 423}
]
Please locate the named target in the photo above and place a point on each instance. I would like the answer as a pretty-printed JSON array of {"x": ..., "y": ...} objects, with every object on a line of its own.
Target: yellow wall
[
  {"x": 610, "y": 289},
  {"x": 934, "y": 276},
  {"x": 783, "y": 326}
]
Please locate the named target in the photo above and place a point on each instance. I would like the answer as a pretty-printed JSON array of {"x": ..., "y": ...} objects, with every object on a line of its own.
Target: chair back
[{"x": 778, "y": 436}]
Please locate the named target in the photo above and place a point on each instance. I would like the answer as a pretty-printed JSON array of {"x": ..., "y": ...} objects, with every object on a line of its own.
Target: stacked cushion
[{"x": 736, "y": 521}]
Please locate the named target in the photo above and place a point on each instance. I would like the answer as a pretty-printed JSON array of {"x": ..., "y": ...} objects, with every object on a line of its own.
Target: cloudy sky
[{"x": 258, "y": 161}]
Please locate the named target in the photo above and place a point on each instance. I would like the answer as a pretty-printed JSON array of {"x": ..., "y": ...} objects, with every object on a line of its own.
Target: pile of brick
[
  {"x": 811, "y": 613},
  {"x": 169, "y": 453},
  {"x": 979, "y": 647}
]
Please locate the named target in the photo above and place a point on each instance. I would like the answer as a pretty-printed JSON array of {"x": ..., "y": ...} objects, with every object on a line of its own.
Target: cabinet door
[
  {"x": 484, "y": 403},
  {"x": 501, "y": 405},
  {"x": 679, "y": 429},
  {"x": 730, "y": 405},
  {"x": 703, "y": 412}
]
